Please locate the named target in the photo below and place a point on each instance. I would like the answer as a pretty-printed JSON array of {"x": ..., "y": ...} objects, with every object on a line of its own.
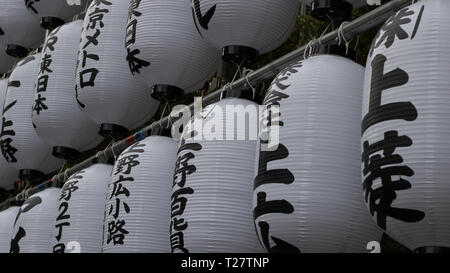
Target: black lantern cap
[
  {"x": 164, "y": 92},
  {"x": 117, "y": 132},
  {"x": 65, "y": 153},
  {"x": 334, "y": 49},
  {"x": 51, "y": 23},
  {"x": 158, "y": 131},
  {"x": 239, "y": 55},
  {"x": 30, "y": 175},
  {"x": 331, "y": 10},
  {"x": 16, "y": 51},
  {"x": 245, "y": 93}
]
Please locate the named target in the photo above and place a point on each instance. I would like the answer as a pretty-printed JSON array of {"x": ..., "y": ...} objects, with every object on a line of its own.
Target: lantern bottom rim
[
  {"x": 331, "y": 10},
  {"x": 16, "y": 51},
  {"x": 50, "y": 22},
  {"x": 115, "y": 131},
  {"x": 30, "y": 174},
  {"x": 65, "y": 153},
  {"x": 165, "y": 92},
  {"x": 240, "y": 55},
  {"x": 432, "y": 249}
]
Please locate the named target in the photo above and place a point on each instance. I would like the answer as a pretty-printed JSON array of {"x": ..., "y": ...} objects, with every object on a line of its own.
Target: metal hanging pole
[{"x": 360, "y": 25}]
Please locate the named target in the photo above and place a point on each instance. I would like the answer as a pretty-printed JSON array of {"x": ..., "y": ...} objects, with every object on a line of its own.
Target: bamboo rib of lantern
[{"x": 360, "y": 25}]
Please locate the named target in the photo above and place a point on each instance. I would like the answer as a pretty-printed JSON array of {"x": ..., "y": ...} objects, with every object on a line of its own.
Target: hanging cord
[
  {"x": 341, "y": 37},
  {"x": 309, "y": 49},
  {"x": 248, "y": 72}
]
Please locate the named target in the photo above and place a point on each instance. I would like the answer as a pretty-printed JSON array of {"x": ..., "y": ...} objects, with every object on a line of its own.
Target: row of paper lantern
[
  {"x": 306, "y": 193},
  {"x": 108, "y": 99}
]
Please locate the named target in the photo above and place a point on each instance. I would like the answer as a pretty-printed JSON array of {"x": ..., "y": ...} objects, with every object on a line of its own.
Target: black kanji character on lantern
[
  {"x": 92, "y": 73},
  {"x": 92, "y": 39},
  {"x": 30, "y": 5},
  {"x": 118, "y": 204},
  {"x": 132, "y": 10},
  {"x": 134, "y": 62},
  {"x": 59, "y": 248},
  {"x": 179, "y": 203},
  {"x": 264, "y": 176},
  {"x": 382, "y": 82},
  {"x": 39, "y": 104},
  {"x": 177, "y": 242},
  {"x": 94, "y": 57},
  {"x": 8, "y": 150},
  {"x": 104, "y": 2},
  {"x": 69, "y": 188},
  {"x": 203, "y": 20},
  {"x": 128, "y": 162},
  {"x": 265, "y": 207},
  {"x": 51, "y": 41},
  {"x": 393, "y": 28},
  {"x": 45, "y": 64},
  {"x": 182, "y": 167},
  {"x": 97, "y": 17},
  {"x": 378, "y": 166},
  {"x": 116, "y": 232},
  {"x": 15, "y": 247},
  {"x": 60, "y": 226},
  {"x": 42, "y": 83},
  {"x": 131, "y": 33}
]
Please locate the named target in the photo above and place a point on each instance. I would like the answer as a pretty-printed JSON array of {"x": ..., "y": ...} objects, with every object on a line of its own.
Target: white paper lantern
[
  {"x": 21, "y": 146},
  {"x": 7, "y": 218},
  {"x": 20, "y": 29},
  {"x": 258, "y": 25},
  {"x": 8, "y": 174},
  {"x": 307, "y": 194},
  {"x": 405, "y": 127},
  {"x": 164, "y": 49},
  {"x": 57, "y": 117},
  {"x": 35, "y": 222},
  {"x": 213, "y": 183},
  {"x": 139, "y": 198},
  {"x": 54, "y": 13},
  {"x": 106, "y": 90},
  {"x": 81, "y": 208}
]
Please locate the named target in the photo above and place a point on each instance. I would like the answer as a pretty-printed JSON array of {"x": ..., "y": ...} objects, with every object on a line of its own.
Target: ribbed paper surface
[
  {"x": 32, "y": 152},
  {"x": 116, "y": 96},
  {"x": 318, "y": 160},
  {"x": 418, "y": 67},
  {"x": 62, "y": 122},
  {"x": 85, "y": 194},
  {"x": 55, "y": 8},
  {"x": 37, "y": 219},
  {"x": 20, "y": 27},
  {"x": 7, "y": 218},
  {"x": 166, "y": 38},
  {"x": 147, "y": 221},
  {"x": 260, "y": 24}
]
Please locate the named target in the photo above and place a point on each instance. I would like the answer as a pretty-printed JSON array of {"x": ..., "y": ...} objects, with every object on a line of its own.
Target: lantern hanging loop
[
  {"x": 247, "y": 72},
  {"x": 341, "y": 37}
]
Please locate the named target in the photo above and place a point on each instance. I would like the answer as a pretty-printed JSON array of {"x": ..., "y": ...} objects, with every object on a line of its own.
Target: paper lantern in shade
[
  {"x": 8, "y": 174},
  {"x": 80, "y": 209},
  {"x": 7, "y": 218},
  {"x": 54, "y": 13},
  {"x": 244, "y": 29},
  {"x": 20, "y": 144},
  {"x": 57, "y": 117},
  {"x": 105, "y": 88},
  {"x": 334, "y": 9},
  {"x": 18, "y": 28},
  {"x": 138, "y": 201},
  {"x": 35, "y": 222},
  {"x": 405, "y": 127},
  {"x": 212, "y": 188},
  {"x": 164, "y": 50},
  {"x": 307, "y": 195}
]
